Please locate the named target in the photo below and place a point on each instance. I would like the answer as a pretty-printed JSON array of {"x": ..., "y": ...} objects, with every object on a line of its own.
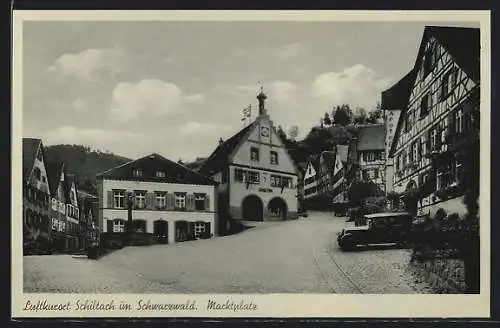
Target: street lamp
[{"x": 129, "y": 221}]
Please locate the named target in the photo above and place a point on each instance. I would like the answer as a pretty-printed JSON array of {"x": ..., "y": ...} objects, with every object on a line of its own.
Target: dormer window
[
  {"x": 137, "y": 173},
  {"x": 160, "y": 174},
  {"x": 254, "y": 154}
]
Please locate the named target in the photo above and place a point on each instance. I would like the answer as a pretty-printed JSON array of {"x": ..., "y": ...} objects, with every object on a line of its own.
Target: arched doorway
[
  {"x": 252, "y": 208},
  {"x": 160, "y": 231},
  {"x": 277, "y": 208}
]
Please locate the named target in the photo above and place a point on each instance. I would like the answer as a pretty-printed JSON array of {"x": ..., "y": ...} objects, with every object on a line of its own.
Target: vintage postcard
[{"x": 251, "y": 164}]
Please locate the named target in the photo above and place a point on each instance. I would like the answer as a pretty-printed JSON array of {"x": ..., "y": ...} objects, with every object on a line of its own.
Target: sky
[{"x": 175, "y": 88}]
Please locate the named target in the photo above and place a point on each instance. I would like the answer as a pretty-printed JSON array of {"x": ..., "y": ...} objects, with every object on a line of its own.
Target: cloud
[
  {"x": 197, "y": 128},
  {"x": 98, "y": 138},
  {"x": 195, "y": 99},
  {"x": 90, "y": 64},
  {"x": 283, "y": 91},
  {"x": 290, "y": 51},
  {"x": 356, "y": 85},
  {"x": 79, "y": 105},
  {"x": 149, "y": 96}
]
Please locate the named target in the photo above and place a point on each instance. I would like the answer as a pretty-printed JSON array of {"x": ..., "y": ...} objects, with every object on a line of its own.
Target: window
[
  {"x": 199, "y": 228},
  {"x": 54, "y": 204},
  {"x": 274, "y": 157},
  {"x": 161, "y": 200},
  {"x": 253, "y": 177},
  {"x": 199, "y": 201},
  {"x": 444, "y": 177},
  {"x": 287, "y": 182},
  {"x": 180, "y": 201},
  {"x": 137, "y": 173},
  {"x": 239, "y": 175},
  {"x": 254, "y": 154},
  {"x": 398, "y": 159},
  {"x": 37, "y": 173},
  {"x": 119, "y": 199},
  {"x": 160, "y": 174},
  {"x": 434, "y": 138},
  {"x": 415, "y": 151},
  {"x": 425, "y": 105},
  {"x": 118, "y": 225},
  {"x": 430, "y": 59},
  {"x": 307, "y": 181},
  {"x": 139, "y": 225},
  {"x": 449, "y": 82},
  {"x": 140, "y": 199},
  {"x": 369, "y": 157},
  {"x": 423, "y": 145},
  {"x": 62, "y": 208},
  {"x": 459, "y": 121}
]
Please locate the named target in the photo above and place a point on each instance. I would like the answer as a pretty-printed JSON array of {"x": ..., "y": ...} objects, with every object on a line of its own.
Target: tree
[
  {"x": 360, "y": 117},
  {"x": 281, "y": 133},
  {"x": 293, "y": 132},
  {"x": 327, "y": 120},
  {"x": 358, "y": 192},
  {"x": 342, "y": 115}
]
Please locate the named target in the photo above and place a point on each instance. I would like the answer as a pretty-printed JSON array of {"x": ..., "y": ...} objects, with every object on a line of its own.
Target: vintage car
[{"x": 378, "y": 228}]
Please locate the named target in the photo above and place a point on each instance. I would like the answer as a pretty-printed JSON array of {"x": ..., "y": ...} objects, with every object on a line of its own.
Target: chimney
[{"x": 221, "y": 141}]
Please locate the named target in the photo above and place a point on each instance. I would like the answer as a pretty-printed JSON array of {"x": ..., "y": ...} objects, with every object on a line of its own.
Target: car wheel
[{"x": 347, "y": 243}]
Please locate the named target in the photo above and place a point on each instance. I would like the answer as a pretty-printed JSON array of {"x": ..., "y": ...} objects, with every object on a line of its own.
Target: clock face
[{"x": 264, "y": 131}]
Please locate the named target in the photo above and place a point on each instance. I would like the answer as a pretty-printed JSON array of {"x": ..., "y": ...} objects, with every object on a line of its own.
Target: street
[{"x": 299, "y": 256}]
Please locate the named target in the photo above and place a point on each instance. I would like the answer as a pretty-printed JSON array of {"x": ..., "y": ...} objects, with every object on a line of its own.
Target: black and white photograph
[{"x": 244, "y": 156}]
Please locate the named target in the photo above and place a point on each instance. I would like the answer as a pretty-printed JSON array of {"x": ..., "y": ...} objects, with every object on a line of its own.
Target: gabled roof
[
  {"x": 453, "y": 40},
  {"x": 371, "y": 137},
  {"x": 343, "y": 152},
  {"x": 30, "y": 148},
  {"x": 328, "y": 158},
  {"x": 69, "y": 180},
  {"x": 397, "y": 96},
  {"x": 462, "y": 43},
  {"x": 54, "y": 171},
  {"x": 219, "y": 157},
  {"x": 149, "y": 165}
]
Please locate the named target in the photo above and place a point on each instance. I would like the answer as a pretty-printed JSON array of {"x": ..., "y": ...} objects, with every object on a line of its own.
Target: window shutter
[
  {"x": 109, "y": 225},
  {"x": 207, "y": 228},
  {"x": 190, "y": 202},
  {"x": 110, "y": 199},
  {"x": 170, "y": 201},
  {"x": 207, "y": 203}
]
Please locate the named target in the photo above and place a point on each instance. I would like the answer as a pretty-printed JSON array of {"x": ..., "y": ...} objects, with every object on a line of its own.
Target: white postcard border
[{"x": 268, "y": 305}]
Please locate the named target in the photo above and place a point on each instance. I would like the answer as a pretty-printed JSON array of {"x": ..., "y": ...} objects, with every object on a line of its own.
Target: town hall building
[{"x": 257, "y": 176}]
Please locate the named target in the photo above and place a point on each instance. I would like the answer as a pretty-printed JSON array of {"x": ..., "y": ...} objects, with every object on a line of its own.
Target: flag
[{"x": 247, "y": 111}]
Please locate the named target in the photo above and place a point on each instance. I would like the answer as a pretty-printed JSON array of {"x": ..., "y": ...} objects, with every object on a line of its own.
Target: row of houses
[
  {"x": 250, "y": 176},
  {"x": 57, "y": 218},
  {"x": 430, "y": 116},
  {"x": 361, "y": 157}
]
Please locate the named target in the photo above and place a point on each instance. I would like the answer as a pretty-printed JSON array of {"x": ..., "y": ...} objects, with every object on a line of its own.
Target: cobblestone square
[{"x": 299, "y": 256}]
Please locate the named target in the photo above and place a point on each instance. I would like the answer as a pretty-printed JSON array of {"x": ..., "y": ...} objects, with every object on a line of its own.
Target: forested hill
[{"x": 83, "y": 162}]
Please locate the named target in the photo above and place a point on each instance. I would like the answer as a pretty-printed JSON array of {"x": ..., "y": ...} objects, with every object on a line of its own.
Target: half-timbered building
[
  {"x": 36, "y": 198},
  {"x": 442, "y": 112}
]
